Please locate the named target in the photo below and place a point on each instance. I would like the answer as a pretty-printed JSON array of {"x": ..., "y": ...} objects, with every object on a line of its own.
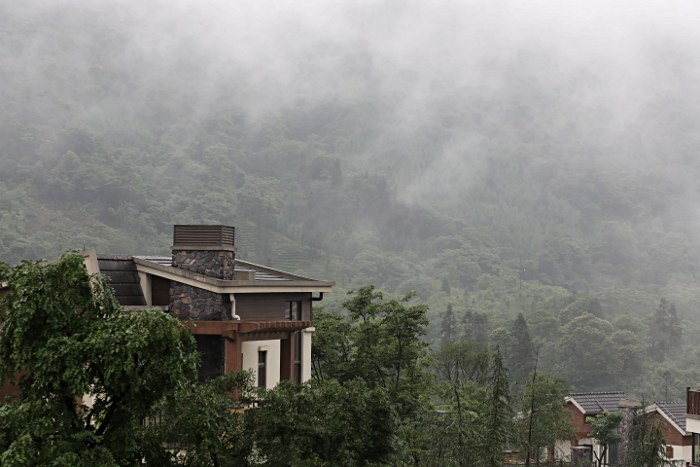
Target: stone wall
[
  {"x": 192, "y": 303},
  {"x": 212, "y": 263},
  {"x": 627, "y": 407}
]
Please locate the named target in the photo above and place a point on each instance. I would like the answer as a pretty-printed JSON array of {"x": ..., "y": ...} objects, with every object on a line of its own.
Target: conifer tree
[
  {"x": 497, "y": 419},
  {"x": 449, "y": 326},
  {"x": 647, "y": 445},
  {"x": 475, "y": 327},
  {"x": 668, "y": 332},
  {"x": 446, "y": 286},
  {"x": 520, "y": 355}
]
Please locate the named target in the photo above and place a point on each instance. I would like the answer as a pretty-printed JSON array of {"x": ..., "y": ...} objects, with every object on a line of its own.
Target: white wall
[
  {"x": 681, "y": 453},
  {"x": 306, "y": 354},
  {"x": 250, "y": 359},
  {"x": 563, "y": 450},
  {"x": 692, "y": 425}
]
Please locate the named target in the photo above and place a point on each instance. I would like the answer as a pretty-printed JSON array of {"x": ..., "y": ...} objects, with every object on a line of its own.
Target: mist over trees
[{"x": 532, "y": 167}]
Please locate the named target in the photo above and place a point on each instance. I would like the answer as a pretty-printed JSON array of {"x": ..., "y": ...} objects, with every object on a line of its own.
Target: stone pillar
[{"x": 626, "y": 407}]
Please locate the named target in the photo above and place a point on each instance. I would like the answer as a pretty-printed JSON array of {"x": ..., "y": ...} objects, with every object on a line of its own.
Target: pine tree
[
  {"x": 646, "y": 443},
  {"x": 475, "y": 327},
  {"x": 449, "y": 326},
  {"x": 446, "y": 286},
  {"x": 668, "y": 332},
  {"x": 520, "y": 356},
  {"x": 497, "y": 420}
]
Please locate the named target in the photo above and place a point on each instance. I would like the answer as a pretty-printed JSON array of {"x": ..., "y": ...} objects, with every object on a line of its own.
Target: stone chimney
[{"x": 205, "y": 249}]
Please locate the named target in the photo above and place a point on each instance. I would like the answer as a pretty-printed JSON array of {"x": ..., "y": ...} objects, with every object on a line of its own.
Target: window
[
  {"x": 292, "y": 311},
  {"x": 262, "y": 371},
  {"x": 297, "y": 358},
  {"x": 696, "y": 449}
]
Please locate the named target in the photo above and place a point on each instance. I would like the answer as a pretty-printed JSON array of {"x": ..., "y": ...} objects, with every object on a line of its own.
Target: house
[
  {"x": 679, "y": 442},
  {"x": 589, "y": 404},
  {"x": 692, "y": 423},
  {"x": 244, "y": 316}
]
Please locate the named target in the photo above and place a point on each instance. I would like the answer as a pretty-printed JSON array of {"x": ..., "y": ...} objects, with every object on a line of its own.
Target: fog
[
  {"x": 615, "y": 81},
  {"x": 500, "y": 156}
]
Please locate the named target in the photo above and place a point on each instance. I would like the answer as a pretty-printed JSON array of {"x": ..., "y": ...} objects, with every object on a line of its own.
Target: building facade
[{"x": 243, "y": 316}]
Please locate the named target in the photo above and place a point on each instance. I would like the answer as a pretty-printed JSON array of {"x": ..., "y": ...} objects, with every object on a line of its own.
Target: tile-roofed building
[
  {"x": 675, "y": 411},
  {"x": 679, "y": 442},
  {"x": 598, "y": 402},
  {"x": 589, "y": 404}
]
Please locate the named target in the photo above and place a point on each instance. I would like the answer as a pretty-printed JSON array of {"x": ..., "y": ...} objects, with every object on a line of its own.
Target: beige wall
[
  {"x": 250, "y": 359},
  {"x": 306, "y": 354},
  {"x": 146, "y": 287},
  {"x": 681, "y": 453}
]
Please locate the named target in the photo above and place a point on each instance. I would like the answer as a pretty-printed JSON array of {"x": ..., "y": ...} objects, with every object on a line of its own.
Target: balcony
[{"x": 692, "y": 410}]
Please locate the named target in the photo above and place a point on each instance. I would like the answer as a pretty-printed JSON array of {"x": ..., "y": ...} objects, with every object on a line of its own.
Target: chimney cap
[{"x": 210, "y": 237}]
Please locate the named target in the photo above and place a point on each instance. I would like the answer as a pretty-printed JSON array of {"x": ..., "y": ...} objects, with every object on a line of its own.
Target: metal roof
[
  {"x": 598, "y": 402},
  {"x": 675, "y": 411},
  {"x": 122, "y": 274},
  {"x": 262, "y": 273}
]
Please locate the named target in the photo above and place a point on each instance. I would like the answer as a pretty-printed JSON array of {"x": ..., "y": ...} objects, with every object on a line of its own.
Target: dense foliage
[
  {"x": 66, "y": 336},
  {"x": 527, "y": 192}
]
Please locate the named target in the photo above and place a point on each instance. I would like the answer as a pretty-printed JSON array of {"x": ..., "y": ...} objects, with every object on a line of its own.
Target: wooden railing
[{"x": 692, "y": 402}]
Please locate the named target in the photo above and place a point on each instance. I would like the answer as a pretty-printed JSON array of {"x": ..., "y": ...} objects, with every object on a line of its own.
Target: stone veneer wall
[
  {"x": 212, "y": 263},
  {"x": 192, "y": 303},
  {"x": 627, "y": 407}
]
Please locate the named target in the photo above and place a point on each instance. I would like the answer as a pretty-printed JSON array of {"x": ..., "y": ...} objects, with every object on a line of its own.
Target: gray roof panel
[
  {"x": 675, "y": 411},
  {"x": 122, "y": 274},
  {"x": 598, "y": 402},
  {"x": 261, "y": 273}
]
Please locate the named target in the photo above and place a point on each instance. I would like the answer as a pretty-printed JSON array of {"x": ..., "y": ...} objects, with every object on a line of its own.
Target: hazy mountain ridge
[{"x": 514, "y": 181}]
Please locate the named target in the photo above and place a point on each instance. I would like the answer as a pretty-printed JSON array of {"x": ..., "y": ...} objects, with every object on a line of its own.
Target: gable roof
[
  {"x": 674, "y": 411},
  {"x": 597, "y": 402},
  {"x": 124, "y": 278}
]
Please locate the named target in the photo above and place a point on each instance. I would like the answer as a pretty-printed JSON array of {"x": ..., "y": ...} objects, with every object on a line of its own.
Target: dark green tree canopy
[{"x": 67, "y": 333}]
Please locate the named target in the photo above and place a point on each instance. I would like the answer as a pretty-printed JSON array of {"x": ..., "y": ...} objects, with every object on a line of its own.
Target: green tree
[
  {"x": 475, "y": 326},
  {"x": 203, "y": 424},
  {"x": 65, "y": 330},
  {"x": 461, "y": 368},
  {"x": 383, "y": 347},
  {"x": 496, "y": 422},
  {"x": 521, "y": 354},
  {"x": 585, "y": 352},
  {"x": 646, "y": 443},
  {"x": 449, "y": 326},
  {"x": 667, "y": 332},
  {"x": 322, "y": 424},
  {"x": 605, "y": 430},
  {"x": 545, "y": 421},
  {"x": 445, "y": 287}
]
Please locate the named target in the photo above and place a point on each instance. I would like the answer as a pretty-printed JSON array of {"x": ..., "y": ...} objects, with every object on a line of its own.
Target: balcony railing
[{"x": 692, "y": 402}]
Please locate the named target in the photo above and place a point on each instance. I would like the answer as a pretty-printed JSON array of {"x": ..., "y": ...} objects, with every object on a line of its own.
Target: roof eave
[{"x": 232, "y": 286}]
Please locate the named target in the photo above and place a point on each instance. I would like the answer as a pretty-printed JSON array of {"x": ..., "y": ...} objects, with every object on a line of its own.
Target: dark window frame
[
  {"x": 298, "y": 350},
  {"x": 293, "y": 310},
  {"x": 262, "y": 368}
]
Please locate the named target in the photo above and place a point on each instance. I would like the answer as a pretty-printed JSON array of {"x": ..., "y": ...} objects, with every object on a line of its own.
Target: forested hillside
[{"x": 518, "y": 182}]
